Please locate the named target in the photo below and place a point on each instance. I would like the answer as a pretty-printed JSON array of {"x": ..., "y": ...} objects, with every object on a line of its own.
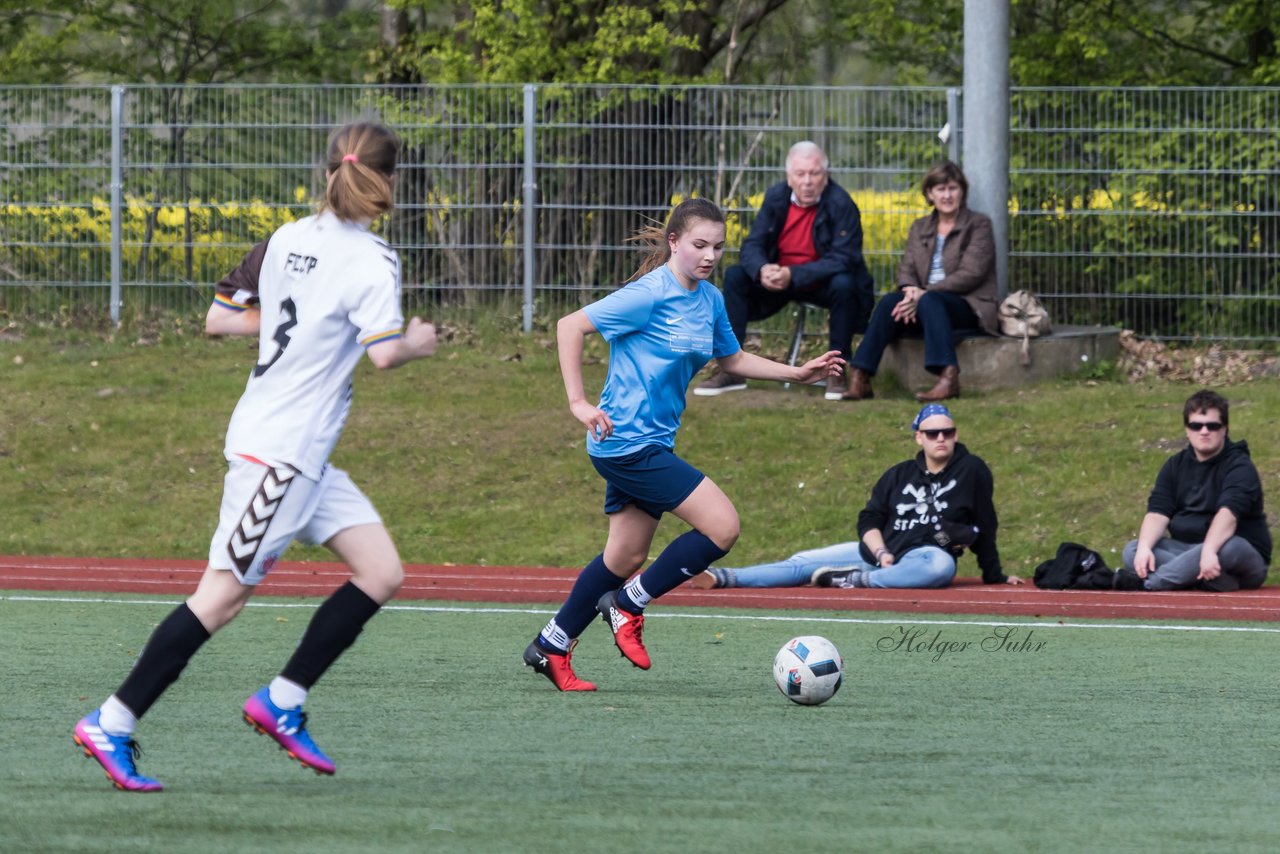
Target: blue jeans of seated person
[
  {"x": 928, "y": 566},
  {"x": 848, "y": 301},
  {"x": 1178, "y": 563},
  {"x": 939, "y": 315}
]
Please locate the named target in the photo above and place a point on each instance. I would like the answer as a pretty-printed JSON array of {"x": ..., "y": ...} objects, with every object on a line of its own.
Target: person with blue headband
[{"x": 922, "y": 515}]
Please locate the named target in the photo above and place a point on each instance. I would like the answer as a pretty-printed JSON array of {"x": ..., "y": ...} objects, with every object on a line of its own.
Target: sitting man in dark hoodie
[
  {"x": 923, "y": 513},
  {"x": 1205, "y": 525}
]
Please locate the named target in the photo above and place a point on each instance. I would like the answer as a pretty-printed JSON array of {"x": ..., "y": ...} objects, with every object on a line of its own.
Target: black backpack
[{"x": 1075, "y": 567}]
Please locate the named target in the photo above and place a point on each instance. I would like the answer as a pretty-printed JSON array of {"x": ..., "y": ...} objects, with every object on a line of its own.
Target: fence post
[
  {"x": 117, "y": 155},
  {"x": 986, "y": 121},
  {"x": 530, "y": 202},
  {"x": 953, "y": 125}
]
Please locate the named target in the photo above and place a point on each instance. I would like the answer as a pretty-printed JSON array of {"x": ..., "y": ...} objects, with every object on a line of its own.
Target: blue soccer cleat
[
  {"x": 289, "y": 728},
  {"x": 115, "y": 753}
]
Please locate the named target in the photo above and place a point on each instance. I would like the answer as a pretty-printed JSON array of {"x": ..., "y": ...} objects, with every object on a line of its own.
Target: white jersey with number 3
[{"x": 327, "y": 289}]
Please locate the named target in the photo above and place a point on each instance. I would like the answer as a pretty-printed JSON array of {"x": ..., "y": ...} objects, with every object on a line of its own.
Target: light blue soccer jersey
[{"x": 659, "y": 336}]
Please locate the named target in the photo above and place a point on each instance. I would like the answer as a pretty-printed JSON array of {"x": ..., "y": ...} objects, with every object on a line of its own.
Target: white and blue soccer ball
[{"x": 808, "y": 670}]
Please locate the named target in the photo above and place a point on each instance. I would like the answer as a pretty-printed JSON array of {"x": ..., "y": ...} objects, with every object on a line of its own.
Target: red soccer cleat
[
  {"x": 556, "y": 667},
  {"x": 627, "y": 628}
]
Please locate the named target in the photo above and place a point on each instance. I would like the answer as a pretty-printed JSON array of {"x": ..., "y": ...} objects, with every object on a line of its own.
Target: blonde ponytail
[{"x": 360, "y": 162}]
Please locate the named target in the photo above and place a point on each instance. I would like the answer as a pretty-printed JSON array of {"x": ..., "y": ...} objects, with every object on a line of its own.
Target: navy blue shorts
[{"x": 653, "y": 479}]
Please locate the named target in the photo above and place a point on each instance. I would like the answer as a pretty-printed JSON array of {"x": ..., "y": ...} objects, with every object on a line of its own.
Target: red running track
[{"x": 546, "y": 585}]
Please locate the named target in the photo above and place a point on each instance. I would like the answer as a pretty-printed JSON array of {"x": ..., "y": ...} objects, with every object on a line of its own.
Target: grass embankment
[{"x": 114, "y": 448}]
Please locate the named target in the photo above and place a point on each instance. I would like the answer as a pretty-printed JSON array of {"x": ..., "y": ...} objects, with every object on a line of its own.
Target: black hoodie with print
[{"x": 908, "y": 503}]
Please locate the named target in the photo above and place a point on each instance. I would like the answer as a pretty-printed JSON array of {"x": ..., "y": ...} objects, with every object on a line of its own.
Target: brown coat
[{"x": 968, "y": 257}]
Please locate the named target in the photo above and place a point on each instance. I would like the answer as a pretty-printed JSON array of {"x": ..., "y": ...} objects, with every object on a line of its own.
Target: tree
[
  {"x": 573, "y": 41},
  {"x": 185, "y": 41},
  {"x": 1086, "y": 42}
]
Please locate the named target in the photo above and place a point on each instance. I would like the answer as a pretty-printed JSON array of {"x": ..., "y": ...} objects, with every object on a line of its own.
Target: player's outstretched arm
[
  {"x": 755, "y": 367},
  {"x": 417, "y": 342},
  {"x": 221, "y": 320}
]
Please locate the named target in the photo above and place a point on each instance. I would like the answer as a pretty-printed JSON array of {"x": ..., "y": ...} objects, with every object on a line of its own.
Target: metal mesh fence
[{"x": 1152, "y": 209}]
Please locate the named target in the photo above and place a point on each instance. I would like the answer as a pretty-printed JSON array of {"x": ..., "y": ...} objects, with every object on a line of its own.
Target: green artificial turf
[{"x": 944, "y": 737}]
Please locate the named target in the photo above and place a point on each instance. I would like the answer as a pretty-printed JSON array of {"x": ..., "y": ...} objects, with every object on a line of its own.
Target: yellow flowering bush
[{"x": 194, "y": 242}]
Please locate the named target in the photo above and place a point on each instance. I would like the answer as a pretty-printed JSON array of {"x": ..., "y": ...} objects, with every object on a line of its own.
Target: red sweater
[{"x": 795, "y": 242}]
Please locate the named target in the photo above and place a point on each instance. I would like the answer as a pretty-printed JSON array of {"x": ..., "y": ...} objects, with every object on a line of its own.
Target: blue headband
[{"x": 930, "y": 410}]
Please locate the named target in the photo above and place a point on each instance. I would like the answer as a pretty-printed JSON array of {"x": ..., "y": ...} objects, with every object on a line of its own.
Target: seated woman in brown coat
[{"x": 946, "y": 284}]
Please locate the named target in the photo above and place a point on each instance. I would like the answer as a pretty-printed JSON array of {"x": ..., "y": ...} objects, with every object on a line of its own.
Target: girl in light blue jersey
[{"x": 662, "y": 328}]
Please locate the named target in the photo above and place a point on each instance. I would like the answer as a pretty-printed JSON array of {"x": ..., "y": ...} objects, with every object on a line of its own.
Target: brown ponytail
[
  {"x": 654, "y": 237},
  {"x": 360, "y": 162}
]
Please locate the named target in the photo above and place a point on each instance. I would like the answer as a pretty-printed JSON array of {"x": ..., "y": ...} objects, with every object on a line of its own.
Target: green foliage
[
  {"x": 177, "y": 41},
  {"x": 1102, "y": 370},
  {"x": 527, "y": 41},
  {"x": 1175, "y": 183},
  {"x": 1093, "y": 43},
  {"x": 578, "y": 41},
  {"x": 187, "y": 241},
  {"x": 575, "y": 41}
]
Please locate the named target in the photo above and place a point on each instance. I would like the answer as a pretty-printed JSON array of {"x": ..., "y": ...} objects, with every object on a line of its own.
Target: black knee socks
[
  {"x": 334, "y": 627},
  {"x": 167, "y": 652}
]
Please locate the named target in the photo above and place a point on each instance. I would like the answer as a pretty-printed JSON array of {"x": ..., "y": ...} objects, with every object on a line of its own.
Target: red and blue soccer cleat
[
  {"x": 289, "y": 728},
  {"x": 115, "y": 753}
]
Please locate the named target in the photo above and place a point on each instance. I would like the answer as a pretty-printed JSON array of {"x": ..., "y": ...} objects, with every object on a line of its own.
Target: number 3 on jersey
[{"x": 288, "y": 320}]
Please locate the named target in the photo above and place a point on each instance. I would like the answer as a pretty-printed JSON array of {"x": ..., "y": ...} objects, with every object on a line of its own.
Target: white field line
[
  {"x": 907, "y": 618},
  {"x": 281, "y": 585}
]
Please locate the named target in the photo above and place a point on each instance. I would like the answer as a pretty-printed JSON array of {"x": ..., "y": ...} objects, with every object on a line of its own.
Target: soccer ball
[{"x": 808, "y": 670}]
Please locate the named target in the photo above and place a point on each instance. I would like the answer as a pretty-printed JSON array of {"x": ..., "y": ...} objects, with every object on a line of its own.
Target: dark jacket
[
  {"x": 837, "y": 238},
  {"x": 968, "y": 258},
  {"x": 907, "y": 502},
  {"x": 1191, "y": 492}
]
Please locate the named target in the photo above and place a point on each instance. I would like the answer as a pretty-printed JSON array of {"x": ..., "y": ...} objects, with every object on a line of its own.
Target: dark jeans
[
  {"x": 848, "y": 301},
  {"x": 939, "y": 316}
]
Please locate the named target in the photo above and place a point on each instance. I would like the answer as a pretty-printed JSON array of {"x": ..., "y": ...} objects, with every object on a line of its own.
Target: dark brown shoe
[
  {"x": 719, "y": 383},
  {"x": 947, "y": 387},
  {"x": 859, "y": 385}
]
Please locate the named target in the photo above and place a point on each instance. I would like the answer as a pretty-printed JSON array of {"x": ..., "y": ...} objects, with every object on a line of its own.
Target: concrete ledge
[{"x": 994, "y": 362}]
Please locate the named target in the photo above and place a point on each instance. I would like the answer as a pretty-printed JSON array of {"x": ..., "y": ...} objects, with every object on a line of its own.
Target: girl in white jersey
[
  {"x": 320, "y": 292},
  {"x": 662, "y": 328}
]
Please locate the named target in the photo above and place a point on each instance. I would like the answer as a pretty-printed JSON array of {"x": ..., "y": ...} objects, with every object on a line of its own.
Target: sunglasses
[
  {"x": 943, "y": 433},
  {"x": 1211, "y": 426}
]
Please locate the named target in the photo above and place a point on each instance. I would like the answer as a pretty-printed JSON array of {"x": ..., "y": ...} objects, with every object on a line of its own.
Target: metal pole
[
  {"x": 953, "y": 125},
  {"x": 530, "y": 202},
  {"x": 117, "y": 207},
  {"x": 986, "y": 120}
]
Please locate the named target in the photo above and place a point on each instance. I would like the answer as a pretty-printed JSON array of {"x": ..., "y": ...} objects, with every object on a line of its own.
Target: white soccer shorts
[{"x": 264, "y": 508}]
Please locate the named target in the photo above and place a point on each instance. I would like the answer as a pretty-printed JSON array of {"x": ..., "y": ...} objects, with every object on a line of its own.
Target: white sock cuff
[
  {"x": 286, "y": 694},
  {"x": 556, "y": 636},
  {"x": 636, "y": 593},
  {"x": 116, "y": 718}
]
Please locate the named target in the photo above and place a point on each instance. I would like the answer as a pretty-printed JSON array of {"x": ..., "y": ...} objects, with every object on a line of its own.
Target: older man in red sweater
[{"x": 805, "y": 245}]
